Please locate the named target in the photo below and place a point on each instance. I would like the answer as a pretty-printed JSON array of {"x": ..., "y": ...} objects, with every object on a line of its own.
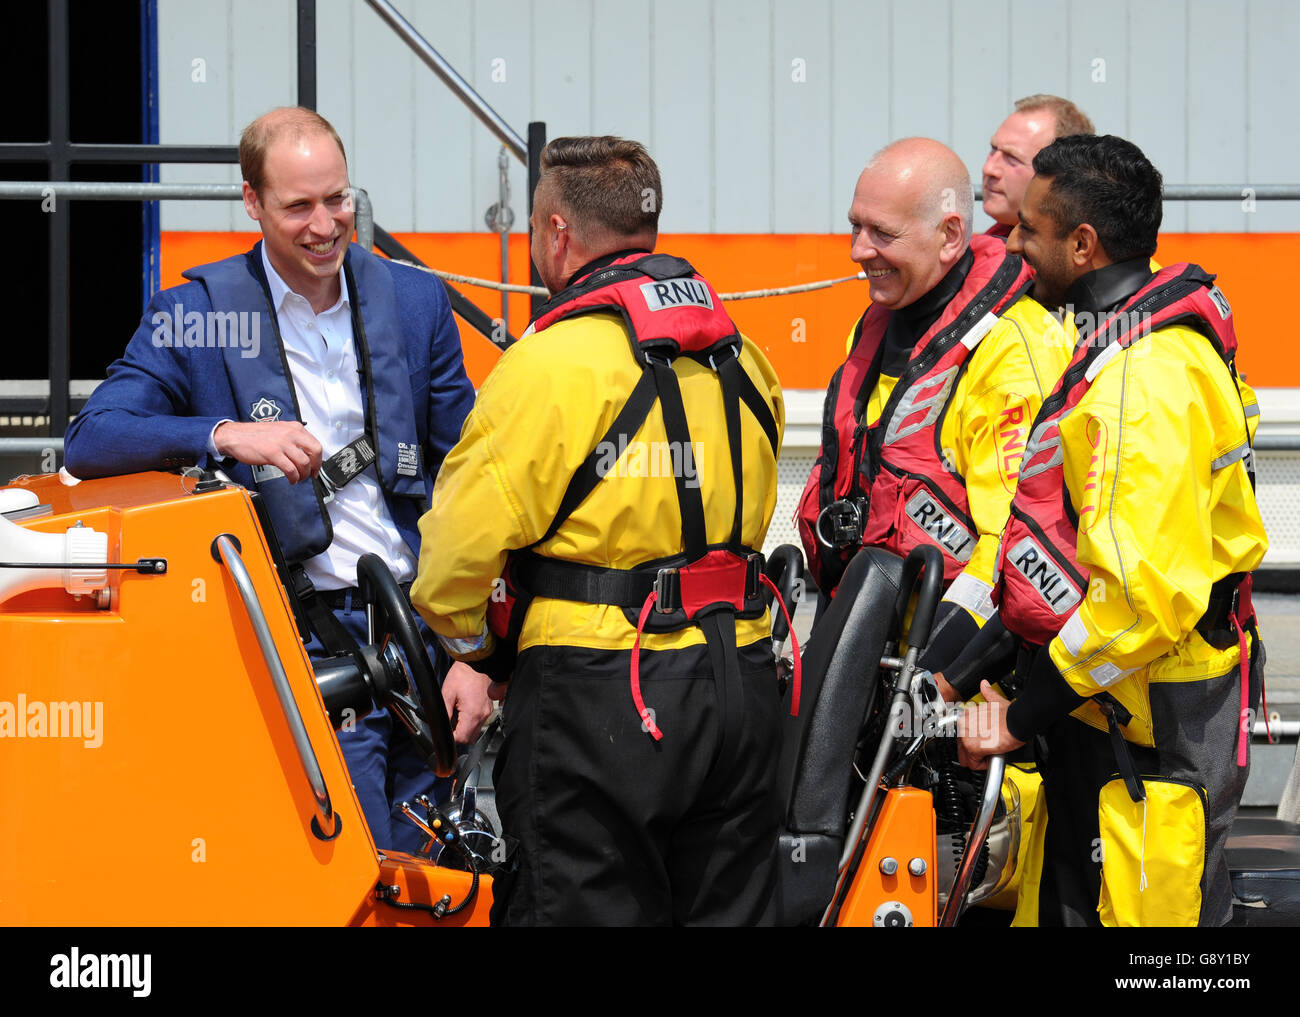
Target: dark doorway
[{"x": 106, "y": 85}]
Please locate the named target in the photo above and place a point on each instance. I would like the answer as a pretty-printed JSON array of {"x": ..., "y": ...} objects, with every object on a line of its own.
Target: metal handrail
[
  {"x": 1222, "y": 192},
  {"x": 29, "y": 446},
  {"x": 132, "y": 191},
  {"x": 461, "y": 88},
  {"x": 979, "y": 832},
  {"x": 325, "y": 826},
  {"x": 19, "y": 190},
  {"x": 19, "y": 446},
  {"x": 16, "y": 190}
]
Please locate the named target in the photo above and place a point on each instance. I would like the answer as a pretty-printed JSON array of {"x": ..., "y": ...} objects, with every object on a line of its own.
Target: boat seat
[
  {"x": 840, "y": 665},
  {"x": 1264, "y": 863}
]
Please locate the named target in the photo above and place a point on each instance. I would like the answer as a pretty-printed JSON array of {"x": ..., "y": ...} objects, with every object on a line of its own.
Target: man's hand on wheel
[{"x": 286, "y": 445}]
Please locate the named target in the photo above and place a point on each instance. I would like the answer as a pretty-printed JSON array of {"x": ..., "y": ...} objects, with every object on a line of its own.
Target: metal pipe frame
[
  {"x": 326, "y": 820},
  {"x": 68, "y": 190},
  {"x": 979, "y": 832},
  {"x": 473, "y": 315},
  {"x": 1222, "y": 192},
  {"x": 40, "y": 151},
  {"x": 536, "y": 142},
  {"x": 460, "y": 88},
  {"x": 19, "y": 190},
  {"x": 364, "y": 217},
  {"x": 307, "y": 53}
]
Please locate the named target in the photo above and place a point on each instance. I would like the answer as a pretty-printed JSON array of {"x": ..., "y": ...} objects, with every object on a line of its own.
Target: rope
[
  {"x": 540, "y": 291},
  {"x": 824, "y": 284}
]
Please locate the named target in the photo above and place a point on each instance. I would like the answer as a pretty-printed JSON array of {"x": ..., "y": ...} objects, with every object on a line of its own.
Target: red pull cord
[
  {"x": 796, "y": 682},
  {"x": 647, "y": 718}
]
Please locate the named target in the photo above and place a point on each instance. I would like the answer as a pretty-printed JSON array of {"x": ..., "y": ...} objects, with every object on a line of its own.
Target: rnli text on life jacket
[
  {"x": 1032, "y": 562},
  {"x": 676, "y": 293},
  {"x": 941, "y": 527}
]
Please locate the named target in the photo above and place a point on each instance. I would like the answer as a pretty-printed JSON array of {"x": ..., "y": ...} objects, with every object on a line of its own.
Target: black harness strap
[
  {"x": 626, "y": 588},
  {"x": 728, "y": 376},
  {"x": 345, "y": 465},
  {"x": 628, "y": 422},
  {"x": 333, "y": 636},
  {"x": 694, "y": 532},
  {"x": 720, "y": 638},
  {"x": 1117, "y": 715},
  {"x": 758, "y": 406}
]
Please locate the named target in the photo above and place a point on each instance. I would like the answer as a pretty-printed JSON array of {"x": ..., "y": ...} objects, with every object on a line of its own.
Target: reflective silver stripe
[
  {"x": 1102, "y": 360},
  {"x": 1252, "y": 410},
  {"x": 979, "y": 330},
  {"x": 911, "y": 403},
  {"x": 972, "y": 594},
  {"x": 1108, "y": 674},
  {"x": 462, "y": 647},
  {"x": 1230, "y": 457},
  {"x": 1073, "y": 633}
]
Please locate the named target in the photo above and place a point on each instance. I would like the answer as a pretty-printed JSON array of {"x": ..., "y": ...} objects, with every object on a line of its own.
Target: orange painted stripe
[{"x": 803, "y": 334}]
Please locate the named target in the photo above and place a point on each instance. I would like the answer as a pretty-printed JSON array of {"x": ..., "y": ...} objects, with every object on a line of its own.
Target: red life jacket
[
  {"x": 669, "y": 311},
  {"x": 888, "y": 485},
  {"x": 1038, "y": 580}
]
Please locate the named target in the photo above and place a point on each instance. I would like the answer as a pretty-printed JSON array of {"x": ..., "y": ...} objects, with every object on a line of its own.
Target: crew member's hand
[
  {"x": 950, "y": 695},
  {"x": 497, "y": 691},
  {"x": 983, "y": 728},
  {"x": 286, "y": 445},
  {"x": 465, "y": 693}
]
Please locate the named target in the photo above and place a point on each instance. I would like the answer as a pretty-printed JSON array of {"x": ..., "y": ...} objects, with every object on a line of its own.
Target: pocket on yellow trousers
[{"x": 1153, "y": 853}]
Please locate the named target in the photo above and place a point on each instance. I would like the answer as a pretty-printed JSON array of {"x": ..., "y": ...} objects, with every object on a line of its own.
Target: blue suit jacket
[{"x": 160, "y": 402}]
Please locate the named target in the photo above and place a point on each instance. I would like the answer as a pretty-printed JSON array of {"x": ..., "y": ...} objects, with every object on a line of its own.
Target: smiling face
[
  {"x": 901, "y": 249},
  {"x": 1037, "y": 239},
  {"x": 1009, "y": 167},
  {"x": 305, "y": 211}
]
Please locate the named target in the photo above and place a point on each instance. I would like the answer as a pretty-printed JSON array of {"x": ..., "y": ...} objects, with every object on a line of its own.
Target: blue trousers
[{"x": 382, "y": 760}]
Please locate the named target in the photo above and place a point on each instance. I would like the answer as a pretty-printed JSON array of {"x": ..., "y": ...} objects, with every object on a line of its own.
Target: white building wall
[{"x": 760, "y": 112}]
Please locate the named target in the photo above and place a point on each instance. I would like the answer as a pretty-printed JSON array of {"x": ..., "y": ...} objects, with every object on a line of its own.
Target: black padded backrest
[{"x": 840, "y": 666}]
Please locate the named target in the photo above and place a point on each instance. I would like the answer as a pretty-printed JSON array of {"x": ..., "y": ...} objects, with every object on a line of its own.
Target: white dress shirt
[{"x": 323, "y": 365}]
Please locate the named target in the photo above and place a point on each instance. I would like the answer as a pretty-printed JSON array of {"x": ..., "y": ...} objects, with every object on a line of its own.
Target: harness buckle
[
  {"x": 844, "y": 520},
  {"x": 327, "y": 487},
  {"x": 667, "y": 590},
  {"x": 753, "y": 569}
]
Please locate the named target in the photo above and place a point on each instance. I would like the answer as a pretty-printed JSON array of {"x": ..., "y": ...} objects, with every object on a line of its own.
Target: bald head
[
  {"x": 911, "y": 219},
  {"x": 932, "y": 174}
]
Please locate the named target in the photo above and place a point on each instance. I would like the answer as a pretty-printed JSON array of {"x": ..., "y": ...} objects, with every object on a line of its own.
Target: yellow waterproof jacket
[
  {"x": 546, "y": 405},
  {"x": 1163, "y": 516},
  {"x": 986, "y": 424}
]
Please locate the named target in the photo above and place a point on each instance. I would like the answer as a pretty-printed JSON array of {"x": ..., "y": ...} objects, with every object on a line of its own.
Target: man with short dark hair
[
  {"x": 1037, "y": 121},
  {"x": 1125, "y": 563},
  {"x": 598, "y": 527},
  {"x": 347, "y": 366}
]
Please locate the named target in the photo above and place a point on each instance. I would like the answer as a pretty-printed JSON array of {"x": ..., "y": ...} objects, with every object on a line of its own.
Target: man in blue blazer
[{"x": 327, "y": 379}]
